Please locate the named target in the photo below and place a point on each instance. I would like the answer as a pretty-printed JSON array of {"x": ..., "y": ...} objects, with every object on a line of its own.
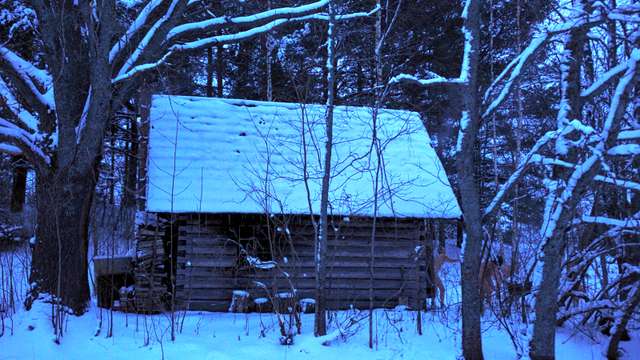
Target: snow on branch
[
  {"x": 621, "y": 223},
  {"x": 629, "y": 135},
  {"x": 17, "y": 137},
  {"x": 631, "y": 185},
  {"x": 576, "y": 179},
  {"x": 601, "y": 83},
  {"x": 25, "y": 67},
  {"x": 247, "y": 34},
  {"x": 618, "y": 102},
  {"x": 82, "y": 123},
  {"x": 532, "y": 157},
  {"x": 148, "y": 37},
  {"x": 601, "y": 178},
  {"x": 520, "y": 170},
  {"x": 516, "y": 71},
  {"x": 25, "y": 118},
  {"x": 265, "y": 16},
  {"x": 587, "y": 307},
  {"x": 19, "y": 132},
  {"x": 435, "y": 80},
  {"x": 516, "y": 66},
  {"x": 227, "y": 38},
  {"x": 134, "y": 28},
  {"x": 201, "y": 44},
  {"x": 624, "y": 18},
  {"x": 630, "y": 269},
  {"x": 625, "y": 150},
  {"x": 325, "y": 17},
  {"x": 625, "y": 13},
  {"x": 588, "y": 170},
  {"x": 10, "y": 149},
  {"x": 261, "y": 264},
  {"x": 30, "y": 79}
]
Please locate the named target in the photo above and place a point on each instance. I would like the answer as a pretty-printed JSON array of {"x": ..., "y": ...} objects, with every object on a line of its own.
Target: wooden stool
[
  {"x": 239, "y": 301},
  {"x": 307, "y": 305},
  {"x": 262, "y": 305},
  {"x": 285, "y": 302}
]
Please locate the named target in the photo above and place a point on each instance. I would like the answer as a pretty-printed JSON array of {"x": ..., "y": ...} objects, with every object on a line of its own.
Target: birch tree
[{"x": 55, "y": 114}]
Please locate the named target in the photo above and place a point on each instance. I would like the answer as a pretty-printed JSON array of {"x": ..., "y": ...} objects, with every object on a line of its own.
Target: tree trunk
[
  {"x": 220, "y": 70},
  {"x": 130, "y": 195},
  {"x": 59, "y": 265},
  {"x": 542, "y": 346},
  {"x": 113, "y": 133},
  {"x": 19, "y": 185},
  {"x": 268, "y": 48},
  {"x": 210, "y": 72},
  {"x": 621, "y": 323},
  {"x": 374, "y": 140},
  {"x": 466, "y": 165},
  {"x": 320, "y": 323},
  {"x": 471, "y": 300},
  {"x": 131, "y": 166}
]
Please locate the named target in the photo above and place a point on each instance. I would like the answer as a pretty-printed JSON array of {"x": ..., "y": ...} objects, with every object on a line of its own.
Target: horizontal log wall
[{"x": 211, "y": 260}]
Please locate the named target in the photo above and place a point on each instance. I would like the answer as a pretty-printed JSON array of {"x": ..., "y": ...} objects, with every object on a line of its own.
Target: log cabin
[{"x": 232, "y": 204}]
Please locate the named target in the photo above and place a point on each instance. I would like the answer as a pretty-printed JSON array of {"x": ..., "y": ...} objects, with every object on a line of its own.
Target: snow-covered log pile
[{"x": 150, "y": 271}]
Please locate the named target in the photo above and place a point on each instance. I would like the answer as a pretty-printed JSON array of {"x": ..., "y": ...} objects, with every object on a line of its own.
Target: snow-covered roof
[{"x": 215, "y": 155}]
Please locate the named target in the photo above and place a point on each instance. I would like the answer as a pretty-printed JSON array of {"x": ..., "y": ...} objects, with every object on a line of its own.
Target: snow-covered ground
[{"x": 222, "y": 336}]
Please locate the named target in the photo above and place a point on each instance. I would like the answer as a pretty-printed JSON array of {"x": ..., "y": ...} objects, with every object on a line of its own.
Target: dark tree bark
[
  {"x": 19, "y": 185},
  {"x": 65, "y": 189},
  {"x": 59, "y": 263},
  {"x": 130, "y": 194},
  {"x": 131, "y": 168},
  {"x": 210, "y": 72},
  {"x": 621, "y": 324},
  {"x": 220, "y": 70},
  {"x": 112, "y": 162}
]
